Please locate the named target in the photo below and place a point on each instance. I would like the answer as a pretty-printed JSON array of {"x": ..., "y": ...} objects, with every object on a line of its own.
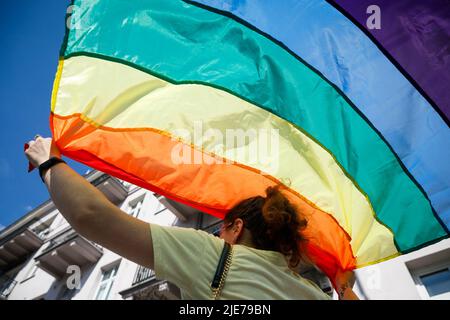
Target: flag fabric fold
[{"x": 137, "y": 81}]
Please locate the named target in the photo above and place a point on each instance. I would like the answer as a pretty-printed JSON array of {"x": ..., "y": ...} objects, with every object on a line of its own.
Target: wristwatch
[{"x": 47, "y": 165}]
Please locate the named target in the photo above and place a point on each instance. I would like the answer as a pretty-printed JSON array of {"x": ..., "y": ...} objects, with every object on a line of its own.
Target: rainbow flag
[{"x": 361, "y": 116}]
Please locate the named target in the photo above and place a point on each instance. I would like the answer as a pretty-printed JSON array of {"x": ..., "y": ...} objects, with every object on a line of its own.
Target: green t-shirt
[{"x": 188, "y": 258}]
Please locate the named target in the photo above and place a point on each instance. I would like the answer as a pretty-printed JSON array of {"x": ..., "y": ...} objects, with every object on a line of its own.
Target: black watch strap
[{"x": 47, "y": 165}]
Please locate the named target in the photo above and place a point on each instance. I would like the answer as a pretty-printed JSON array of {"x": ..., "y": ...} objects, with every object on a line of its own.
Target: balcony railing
[
  {"x": 145, "y": 286},
  {"x": 142, "y": 274},
  {"x": 7, "y": 285},
  {"x": 61, "y": 238}
]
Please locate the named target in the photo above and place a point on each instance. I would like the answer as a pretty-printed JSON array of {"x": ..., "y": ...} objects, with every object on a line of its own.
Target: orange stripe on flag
[{"x": 144, "y": 157}]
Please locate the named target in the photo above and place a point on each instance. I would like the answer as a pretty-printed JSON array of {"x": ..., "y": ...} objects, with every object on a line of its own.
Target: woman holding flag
[{"x": 254, "y": 258}]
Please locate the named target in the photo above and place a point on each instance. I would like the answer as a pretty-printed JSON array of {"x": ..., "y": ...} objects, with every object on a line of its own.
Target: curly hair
[{"x": 273, "y": 222}]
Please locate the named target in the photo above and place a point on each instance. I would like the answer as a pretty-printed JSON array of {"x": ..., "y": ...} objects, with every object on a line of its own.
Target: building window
[
  {"x": 437, "y": 283},
  {"x": 135, "y": 208},
  {"x": 66, "y": 293},
  {"x": 215, "y": 228},
  {"x": 106, "y": 283}
]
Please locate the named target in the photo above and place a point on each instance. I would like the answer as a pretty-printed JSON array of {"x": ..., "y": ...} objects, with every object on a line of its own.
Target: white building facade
[{"x": 42, "y": 257}]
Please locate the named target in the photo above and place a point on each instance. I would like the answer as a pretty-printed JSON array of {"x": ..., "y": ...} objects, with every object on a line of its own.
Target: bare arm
[{"x": 89, "y": 212}]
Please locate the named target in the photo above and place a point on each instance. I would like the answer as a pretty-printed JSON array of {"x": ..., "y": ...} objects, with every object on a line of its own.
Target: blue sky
[{"x": 31, "y": 33}]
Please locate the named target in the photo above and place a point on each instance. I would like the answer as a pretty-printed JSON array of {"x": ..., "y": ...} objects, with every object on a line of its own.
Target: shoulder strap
[{"x": 222, "y": 270}]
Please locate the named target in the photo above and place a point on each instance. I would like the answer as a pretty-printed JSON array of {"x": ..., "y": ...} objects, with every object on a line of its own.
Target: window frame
[
  {"x": 423, "y": 292},
  {"x": 109, "y": 282}
]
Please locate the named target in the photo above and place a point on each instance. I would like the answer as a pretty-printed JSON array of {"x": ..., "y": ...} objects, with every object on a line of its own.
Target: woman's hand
[
  {"x": 345, "y": 278},
  {"x": 40, "y": 150},
  {"x": 344, "y": 281},
  {"x": 88, "y": 210}
]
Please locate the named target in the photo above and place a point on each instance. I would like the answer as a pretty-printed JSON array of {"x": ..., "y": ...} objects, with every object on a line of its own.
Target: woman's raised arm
[{"x": 88, "y": 211}]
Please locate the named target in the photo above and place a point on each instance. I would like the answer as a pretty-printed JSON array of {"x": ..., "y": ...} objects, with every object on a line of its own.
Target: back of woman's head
[{"x": 273, "y": 222}]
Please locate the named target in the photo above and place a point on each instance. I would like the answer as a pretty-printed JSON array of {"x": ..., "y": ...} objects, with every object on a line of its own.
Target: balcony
[
  {"x": 114, "y": 189},
  {"x": 145, "y": 286},
  {"x": 17, "y": 247},
  {"x": 182, "y": 211},
  {"x": 67, "y": 248},
  {"x": 7, "y": 285}
]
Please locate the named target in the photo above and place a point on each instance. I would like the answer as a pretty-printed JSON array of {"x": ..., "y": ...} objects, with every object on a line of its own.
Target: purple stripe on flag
[{"x": 416, "y": 34}]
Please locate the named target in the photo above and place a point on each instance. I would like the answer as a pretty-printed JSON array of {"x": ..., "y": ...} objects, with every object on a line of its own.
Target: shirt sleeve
[{"x": 180, "y": 254}]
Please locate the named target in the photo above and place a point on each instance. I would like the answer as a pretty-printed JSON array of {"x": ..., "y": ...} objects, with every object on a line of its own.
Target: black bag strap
[{"x": 222, "y": 270}]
